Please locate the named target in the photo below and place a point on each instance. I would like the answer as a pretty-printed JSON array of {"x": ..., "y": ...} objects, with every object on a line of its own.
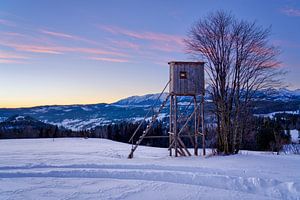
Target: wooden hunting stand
[{"x": 186, "y": 79}]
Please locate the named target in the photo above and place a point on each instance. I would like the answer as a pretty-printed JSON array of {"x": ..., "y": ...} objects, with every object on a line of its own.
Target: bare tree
[{"x": 239, "y": 61}]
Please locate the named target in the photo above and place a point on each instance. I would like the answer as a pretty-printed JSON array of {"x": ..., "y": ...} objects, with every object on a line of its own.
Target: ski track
[
  {"x": 44, "y": 170},
  {"x": 179, "y": 175}
]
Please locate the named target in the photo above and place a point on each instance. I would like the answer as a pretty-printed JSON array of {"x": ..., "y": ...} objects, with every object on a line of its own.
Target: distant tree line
[
  {"x": 263, "y": 134},
  {"x": 31, "y": 131},
  {"x": 269, "y": 134}
]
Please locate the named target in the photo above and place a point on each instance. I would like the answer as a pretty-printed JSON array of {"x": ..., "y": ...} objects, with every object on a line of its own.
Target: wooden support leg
[
  {"x": 175, "y": 127},
  {"x": 170, "y": 124},
  {"x": 203, "y": 126},
  {"x": 196, "y": 128},
  {"x": 183, "y": 145},
  {"x": 180, "y": 150}
]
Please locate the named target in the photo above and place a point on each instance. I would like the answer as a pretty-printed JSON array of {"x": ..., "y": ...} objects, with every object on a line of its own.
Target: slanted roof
[{"x": 186, "y": 62}]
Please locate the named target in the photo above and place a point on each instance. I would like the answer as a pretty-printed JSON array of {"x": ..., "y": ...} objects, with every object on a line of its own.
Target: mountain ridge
[{"x": 134, "y": 108}]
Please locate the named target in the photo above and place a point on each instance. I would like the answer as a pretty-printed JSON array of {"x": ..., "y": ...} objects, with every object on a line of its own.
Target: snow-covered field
[{"x": 75, "y": 168}]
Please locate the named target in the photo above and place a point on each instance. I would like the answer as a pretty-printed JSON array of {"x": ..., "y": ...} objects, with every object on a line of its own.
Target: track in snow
[
  {"x": 178, "y": 175},
  {"x": 98, "y": 169}
]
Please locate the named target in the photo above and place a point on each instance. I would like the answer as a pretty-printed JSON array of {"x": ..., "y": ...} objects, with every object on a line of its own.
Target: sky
[{"x": 55, "y": 52}]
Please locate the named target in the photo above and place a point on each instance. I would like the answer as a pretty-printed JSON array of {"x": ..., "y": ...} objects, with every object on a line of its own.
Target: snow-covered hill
[
  {"x": 78, "y": 117},
  {"x": 144, "y": 100},
  {"x": 281, "y": 94},
  {"x": 99, "y": 169}
]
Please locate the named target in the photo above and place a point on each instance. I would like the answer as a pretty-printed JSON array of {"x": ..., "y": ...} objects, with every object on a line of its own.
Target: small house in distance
[{"x": 186, "y": 78}]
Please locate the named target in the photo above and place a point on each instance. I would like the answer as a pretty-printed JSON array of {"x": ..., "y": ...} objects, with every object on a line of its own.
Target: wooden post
[
  {"x": 175, "y": 126},
  {"x": 196, "y": 128},
  {"x": 170, "y": 123},
  {"x": 203, "y": 127}
]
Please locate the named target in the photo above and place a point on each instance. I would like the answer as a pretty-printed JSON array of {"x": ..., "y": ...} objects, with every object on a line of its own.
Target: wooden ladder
[{"x": 146, "y": 131}]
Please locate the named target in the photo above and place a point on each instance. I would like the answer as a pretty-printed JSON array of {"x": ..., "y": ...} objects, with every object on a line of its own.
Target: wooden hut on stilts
[{"x": 186, "y": 79}]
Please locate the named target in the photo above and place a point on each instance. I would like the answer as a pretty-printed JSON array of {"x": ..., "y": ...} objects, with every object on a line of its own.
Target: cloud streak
[
  {"x": 135, "y": 45},
  {"x": 57, "y": 34},
  {"x": 152, "y": 36},
  {"x": 125, "y": 44},
  {"x": 48, "y": 49},
  {"x": 7, "y": 23},
  {"x": 146, "y": 41},
  {"x": 33, "y": 48},
  {"x": 5, "y": 55},
  {"x": 67, "y": 36},
  {"x": 12, "y": 58},
  {"x": 7, "y": 61},
  {"x": 294, "y": 12},
  {"x": 166, "y": 47},
  {"x": 117, "y": 60}
]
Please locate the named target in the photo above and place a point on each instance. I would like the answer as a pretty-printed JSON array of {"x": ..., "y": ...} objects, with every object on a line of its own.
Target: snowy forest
[{"x": 265, "y": 134}]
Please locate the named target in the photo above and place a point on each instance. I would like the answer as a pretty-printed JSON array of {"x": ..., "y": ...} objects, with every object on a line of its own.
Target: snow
[
  {"x": 138, "y": 100},
  {"x": 78, "y": 124},
  {"x": 272, "y": 114},
  {"x": 295, "y": 137},
  {"x": 19, "y": 118},
  {"x": 2, "y": 119},
  {"x": 40, "y": 110},
  {"x": 160, "y": 116},
  {"x": 86, "y": 108},
  {"x": 67, "y": 123},
  {"x": 46, "y": 109},
  {"x": 76, "y": 168}
]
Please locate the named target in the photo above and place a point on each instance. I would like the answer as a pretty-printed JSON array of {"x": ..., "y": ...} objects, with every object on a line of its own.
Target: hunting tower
[{"x": 186, "y": 79}]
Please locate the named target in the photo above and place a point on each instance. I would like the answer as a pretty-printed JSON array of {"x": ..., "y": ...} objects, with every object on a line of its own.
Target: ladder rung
[{"x": 145, "y": 132}]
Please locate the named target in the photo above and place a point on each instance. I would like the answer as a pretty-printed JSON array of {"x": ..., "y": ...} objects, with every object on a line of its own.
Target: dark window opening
[{"x": 183, "y": 75}]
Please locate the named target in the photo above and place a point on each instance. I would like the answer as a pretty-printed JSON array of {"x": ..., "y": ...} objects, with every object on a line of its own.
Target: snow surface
[
  {"x": 295, "y": 136},
  {"x": 2, "y": 119},
  {"x": 78, "y": 124},
  {"x": 272, "y": 114},
  {"x": 76, "y": 168}
]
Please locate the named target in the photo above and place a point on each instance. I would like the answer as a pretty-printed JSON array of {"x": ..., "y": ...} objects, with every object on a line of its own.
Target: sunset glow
[{"x": 85, "y": 52}]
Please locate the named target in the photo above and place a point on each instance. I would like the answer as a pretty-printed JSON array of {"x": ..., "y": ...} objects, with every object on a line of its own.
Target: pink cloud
[
  {"x": 36, "y": 48},
  {"x": 7, "y": 61},
  {"x": 57, "y": 34},
  {"x": 7, "y": 23},
  {"x": 54, "y": 49},
  {"x": 13, "y": 34},
  {"x": 291, "y": 12},
  {"x": 4, "y": 55},
  {"x": 109, "y": 50},
  {"x": 153, "y": 41},
  {"x": 118, "y": 60},
  {"x": 166, "y": 47},
  {"x": 11, "y": 57},
  {"x": 68, "y": 36},
  {"x": 125, "y": 44},
  {"x": 93, "y": 51},
  {"x": 144, "y": 35}
]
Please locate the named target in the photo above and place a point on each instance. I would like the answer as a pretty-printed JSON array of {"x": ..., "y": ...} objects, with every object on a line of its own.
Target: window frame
[{"x": 183, "y": 75}]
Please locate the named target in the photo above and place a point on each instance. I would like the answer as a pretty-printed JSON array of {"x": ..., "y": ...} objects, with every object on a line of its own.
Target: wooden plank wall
[{"x": 193, "y": 85}]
